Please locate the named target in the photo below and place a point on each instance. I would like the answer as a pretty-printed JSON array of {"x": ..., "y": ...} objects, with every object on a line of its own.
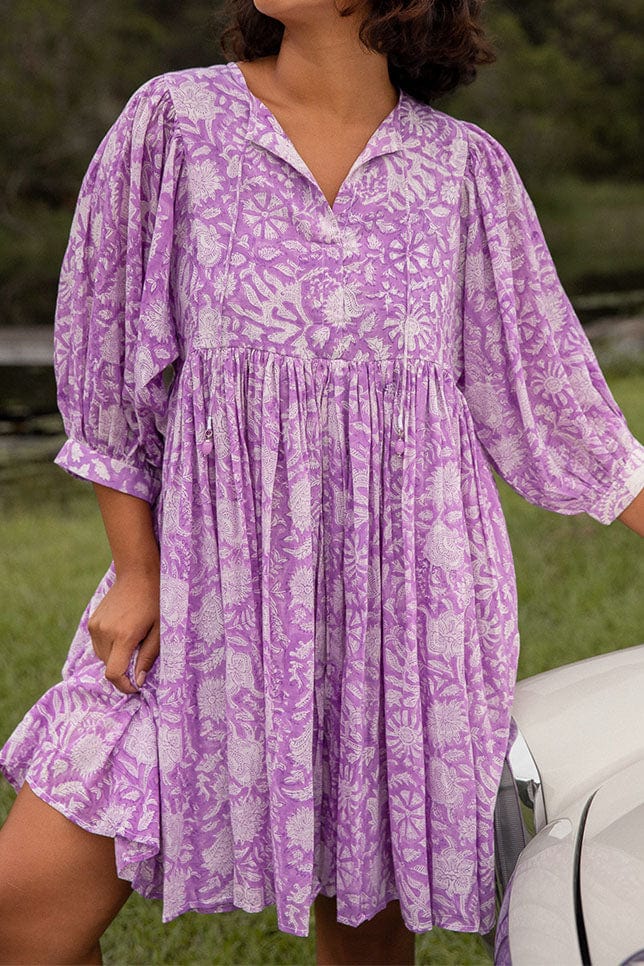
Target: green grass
[
  {"x": 578, "y": 595},
  {"x": 578, "y": 590}
]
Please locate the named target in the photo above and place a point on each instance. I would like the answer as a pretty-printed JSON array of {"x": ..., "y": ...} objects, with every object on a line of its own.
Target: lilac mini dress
[{"x": 330, "y": 707}]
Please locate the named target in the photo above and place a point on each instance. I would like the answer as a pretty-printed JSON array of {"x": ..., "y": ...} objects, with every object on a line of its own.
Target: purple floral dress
[{"x": 330, "y": 708}]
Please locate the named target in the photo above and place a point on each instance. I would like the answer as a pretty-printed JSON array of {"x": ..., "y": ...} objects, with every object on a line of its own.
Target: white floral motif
[
  {"x": 404, "y": 734},
  {"x": 141, "y": 740},
  {"x": 88, "y": 755},
  {"x": 266, "y": 216},
  {"x": 455, "y": 871},
  {"x": 334, "y": 309},
  {"x": 206, "y": 181},
  {"x": 445, "y": 635},
  {"x": 300, "y": 585},
  {"x": 244, "y": 760},
  {"x": 443, "y": 547},
  {"x": 209, "y": 248},
  {"x": 448, "y": 723},
  {"x": 211, "y": 699},
  {"x": 444, "y": 784},
  {"x": 299, "y": 828},
  {"x": 209, "y": 618}
]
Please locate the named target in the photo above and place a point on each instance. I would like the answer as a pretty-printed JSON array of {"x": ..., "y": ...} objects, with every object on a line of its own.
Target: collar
[{"x": 264, "y": 129}]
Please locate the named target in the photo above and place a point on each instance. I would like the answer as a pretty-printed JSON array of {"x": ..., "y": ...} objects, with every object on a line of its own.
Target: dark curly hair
[{"x": 432, "y": 46}]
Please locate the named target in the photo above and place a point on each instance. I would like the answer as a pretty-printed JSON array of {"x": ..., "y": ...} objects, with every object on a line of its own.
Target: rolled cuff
[
  {"x": 627, "y": 484},
  {"x": 80, "y": 460}
]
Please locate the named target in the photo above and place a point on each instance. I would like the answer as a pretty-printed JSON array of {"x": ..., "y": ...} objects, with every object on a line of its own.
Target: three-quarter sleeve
[
  {"x": 114, "y": 331},
  {"x": 539, "y": 402}
]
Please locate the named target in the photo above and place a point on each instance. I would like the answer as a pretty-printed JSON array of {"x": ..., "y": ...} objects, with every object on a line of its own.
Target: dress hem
[
  {"x": 224, "y": 905},
  {"x": 229, "y": 906}
]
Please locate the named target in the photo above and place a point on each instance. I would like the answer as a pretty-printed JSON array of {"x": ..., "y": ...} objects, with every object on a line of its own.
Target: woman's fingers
[
  {"x": 117, "y": 663},
  {"x": 126, "y": 618},
  {"x": 148, "y": 653},
  {"x": 101, "y": 637},
  {"x": 116, "y": 656}
]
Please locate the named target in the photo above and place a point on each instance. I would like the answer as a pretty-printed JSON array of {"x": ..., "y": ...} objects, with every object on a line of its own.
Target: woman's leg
[
  {"x": 59, "y": 890},
  {"x": 383, "y": 940}
]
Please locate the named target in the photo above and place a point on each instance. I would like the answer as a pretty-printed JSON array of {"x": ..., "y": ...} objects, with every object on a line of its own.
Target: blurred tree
[
  {"x": 192, "y": 31},
  {"x": 565, "y": 94},
  {"x": 526, "y": 99},
  {"x": 66, "y": 70},
  {"x": 606, "y": 39}
]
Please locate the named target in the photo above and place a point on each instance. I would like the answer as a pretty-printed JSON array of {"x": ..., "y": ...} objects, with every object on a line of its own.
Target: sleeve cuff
[
  {"x": 628, "y": 483},
  {"x": 80, "y": 460}
]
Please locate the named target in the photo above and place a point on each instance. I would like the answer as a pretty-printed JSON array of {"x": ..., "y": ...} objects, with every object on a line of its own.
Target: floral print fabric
[{"x": 330, "y": 708}]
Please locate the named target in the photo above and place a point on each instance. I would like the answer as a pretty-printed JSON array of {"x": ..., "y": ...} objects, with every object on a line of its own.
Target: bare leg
[
  {"x": 59, "y": 889},
  {"x": 383, "y": 940},
  {"x": 95, "y": 957}
]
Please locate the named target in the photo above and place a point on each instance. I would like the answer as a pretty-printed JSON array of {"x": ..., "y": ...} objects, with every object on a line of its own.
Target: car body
[{"x": 569, "y": 819}]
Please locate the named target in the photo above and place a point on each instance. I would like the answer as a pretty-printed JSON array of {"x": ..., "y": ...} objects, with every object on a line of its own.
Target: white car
[{"x": 569, "y": 819}]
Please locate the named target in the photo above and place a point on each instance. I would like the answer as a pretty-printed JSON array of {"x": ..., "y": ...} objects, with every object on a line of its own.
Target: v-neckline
[{"x": 264, "y": 128}]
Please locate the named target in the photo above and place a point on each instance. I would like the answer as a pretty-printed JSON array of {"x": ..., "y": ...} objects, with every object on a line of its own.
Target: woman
[{"x": 293, "y": 684}]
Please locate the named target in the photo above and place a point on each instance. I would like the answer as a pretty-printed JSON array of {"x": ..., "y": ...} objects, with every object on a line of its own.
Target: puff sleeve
[
  {"x": 114, "y": 330},
  {"x": 540, "y": 405}
]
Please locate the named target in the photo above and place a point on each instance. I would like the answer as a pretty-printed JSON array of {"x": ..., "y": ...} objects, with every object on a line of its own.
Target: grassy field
[{"x": 578, "y": 596}]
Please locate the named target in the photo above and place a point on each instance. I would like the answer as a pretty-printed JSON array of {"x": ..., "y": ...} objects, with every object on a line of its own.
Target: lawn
[{"x": 578, "y": 596}]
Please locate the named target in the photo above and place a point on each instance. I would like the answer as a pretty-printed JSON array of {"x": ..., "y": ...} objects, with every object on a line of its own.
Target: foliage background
[{"x": 564, "y": 97}]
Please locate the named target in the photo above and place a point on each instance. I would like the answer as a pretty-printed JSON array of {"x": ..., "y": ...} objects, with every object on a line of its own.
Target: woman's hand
[{"x": 126, "y": 617}]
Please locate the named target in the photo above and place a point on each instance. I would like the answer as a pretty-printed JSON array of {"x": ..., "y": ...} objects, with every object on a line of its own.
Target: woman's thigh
[{"x": 58, "y": 885}]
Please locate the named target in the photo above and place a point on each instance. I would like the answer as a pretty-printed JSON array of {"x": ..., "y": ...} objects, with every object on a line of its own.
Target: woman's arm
[
  {"x": 128, "y": 614},
  {"x": 633, "y": 515}
]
